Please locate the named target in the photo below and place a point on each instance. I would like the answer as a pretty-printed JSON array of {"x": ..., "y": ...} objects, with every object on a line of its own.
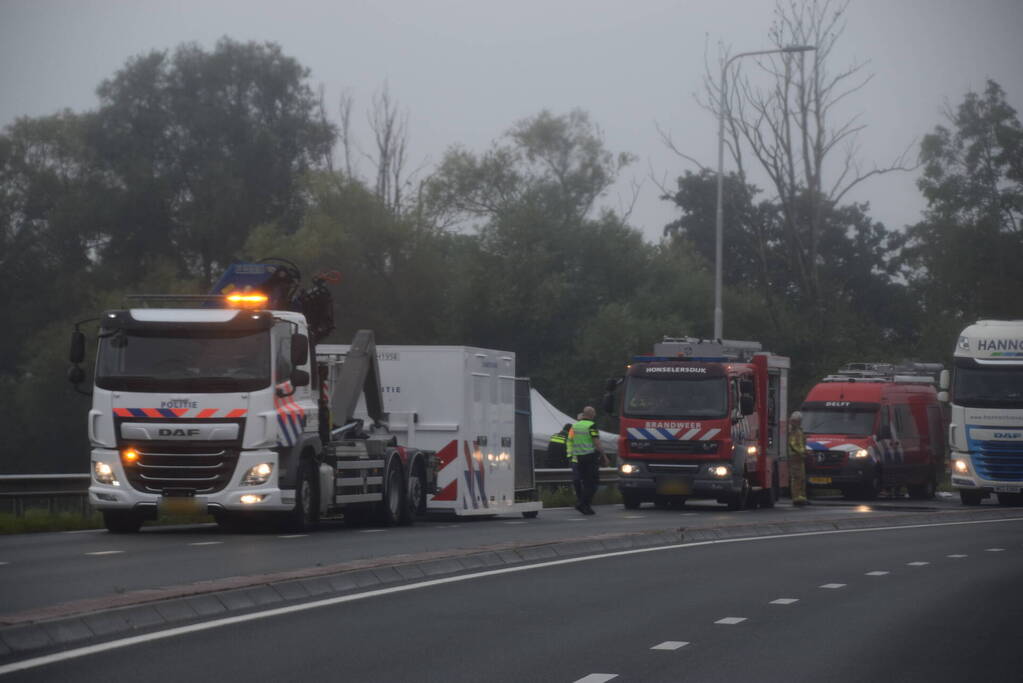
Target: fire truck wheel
[
  {"x": 389, "y": 509},
  {"x": 1010, "y": 499},
  {"x": 531, "y": 514},
  {"x": 970, "y": 497},
  {"x": 871, "y": 489},
  {"x": 631, "y": 500},
  {"x": 662, "y": 502},
  {"x": 415, "y": 498},
  {"x": 769, "y": 495},
  {"x": 306, "y": 513},
  {"x": 122, "y": 521}
]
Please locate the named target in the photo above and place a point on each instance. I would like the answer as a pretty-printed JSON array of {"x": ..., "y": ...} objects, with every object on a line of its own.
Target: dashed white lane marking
[
  {"x": 993, "y": 550},
  {"x": 877, "y": 573},
  {"x": 917, "y": 564},
  {"x": 957, "y": 555},
  {"x": 304, "y": 535},
  {"x": 784, "y": 601},
  {"x": 3, "y": 563},
  {"x": 106, "y": 552},
  {"x": 447, "y": 526},
  {"x": 832, "y": 585},
  {"x": 515, "y": 522},
  {"x": 207, "y": 543},
  {"x": 670, "y": 645},
  {"x": 576, "y": 519},
  {"x": 634, "y": 517},
  {"x": 730, "y": 621},
  {"x": 367, "y": 531},
  {"x": 597, "y": 678},
  {"x": 317, "y": 604}
]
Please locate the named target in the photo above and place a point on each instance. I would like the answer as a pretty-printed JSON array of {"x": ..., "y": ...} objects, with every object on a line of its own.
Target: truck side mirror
[
  {"x": 884, "y": 433},
  {"x": 76, "y": 375},
  {"x": 611, "y": 385},
  {"x": 299, "y": 350},
  {"x": 943, "y": 382},
  {"x": 747, "y": 405},
  {"x": 746, "y": 387},
  {"x": 299, "y": 378},
  {"x": 76, "y": 354}
]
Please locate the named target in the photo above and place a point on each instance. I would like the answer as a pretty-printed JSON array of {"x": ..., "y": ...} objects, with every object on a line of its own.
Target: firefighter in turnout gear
[
  {"x": 586, "y": 454},
  {"x": 797, "y": 459}
]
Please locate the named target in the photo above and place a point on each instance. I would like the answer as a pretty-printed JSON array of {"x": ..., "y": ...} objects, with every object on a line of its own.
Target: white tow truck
[{"x": 218, "y": 404}]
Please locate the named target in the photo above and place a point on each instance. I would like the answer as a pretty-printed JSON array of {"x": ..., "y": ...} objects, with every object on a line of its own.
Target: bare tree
[{"x": 788, "y": 128}]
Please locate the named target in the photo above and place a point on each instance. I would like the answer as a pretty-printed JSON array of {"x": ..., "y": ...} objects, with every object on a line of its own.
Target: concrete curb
[{"x": 83, "y": 622}]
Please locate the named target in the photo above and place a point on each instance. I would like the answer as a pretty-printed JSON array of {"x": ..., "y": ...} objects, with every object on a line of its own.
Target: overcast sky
[{"x": 466, "y": 70}]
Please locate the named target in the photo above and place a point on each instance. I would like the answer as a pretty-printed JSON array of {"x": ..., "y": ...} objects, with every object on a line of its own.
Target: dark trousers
[{"x": 586, "y": 477}]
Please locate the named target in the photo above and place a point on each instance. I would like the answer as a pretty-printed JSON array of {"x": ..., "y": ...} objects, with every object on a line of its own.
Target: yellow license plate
[
  {"x": 182, "y": 505},
  {"x": 820, "y": 480},
  {"x": 674, "y": 487}
]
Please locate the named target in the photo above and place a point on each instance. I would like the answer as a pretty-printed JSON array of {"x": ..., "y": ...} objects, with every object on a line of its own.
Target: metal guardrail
[{"x": 51, "y": 492}]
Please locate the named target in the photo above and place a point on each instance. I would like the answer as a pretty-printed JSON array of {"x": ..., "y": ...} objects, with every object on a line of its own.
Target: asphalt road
[
  {"x": 40, "y": 570},
  {"x": 933, "y": 603}
]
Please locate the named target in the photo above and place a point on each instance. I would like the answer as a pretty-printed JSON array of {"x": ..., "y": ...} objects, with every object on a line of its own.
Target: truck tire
[
  {"x": 306, "y": 513},
  {"x": 122, "y": 521},
  {"x": 415, "y": 497},
  {"x": 530, "y": 514},
  {"x": 739, "y": 499},
  {"x": 631, "y": 500},
  {"x": 871, "y": 489},
  {"x": 389, "y": 509},
  {"x": 769, "y": 495},
  {"x": 970, "y": 497},
  {"x": 1010, "y": 499}
]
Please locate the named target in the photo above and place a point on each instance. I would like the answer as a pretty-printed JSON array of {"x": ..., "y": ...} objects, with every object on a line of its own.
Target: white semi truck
[
  {"x": 986, "y": 425},
  {"x": 223, "y": 406}
]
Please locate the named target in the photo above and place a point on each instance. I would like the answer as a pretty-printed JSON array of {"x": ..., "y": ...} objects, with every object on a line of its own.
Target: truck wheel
[
  {"x": 122, "y": 521},
  {"x": 631, "y": 500},
  {"x": 531, "y": 514},
  {"x": 970, "y": 497},
  {"x": 1010, "y": 499},
  {"x": 768, "y": 497},
  {"x": 389, "y": 510},
  {"x": 871, "y": 489},
  {"x": 415, "y": 498},
  {"x": 924, "y": 491},
  {"x": 306, "y": 513}
]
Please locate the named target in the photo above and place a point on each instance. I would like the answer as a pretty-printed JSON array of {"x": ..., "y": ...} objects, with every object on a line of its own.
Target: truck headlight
[
  {"x": 960, "y": 466},
  {"x": 628, "y": 468},
  {"x": 258, "y": 474},
  {"x": 720, "y": 470},
  {"x": 860, "y": 453},
  {"x": 104, "y": 473}
]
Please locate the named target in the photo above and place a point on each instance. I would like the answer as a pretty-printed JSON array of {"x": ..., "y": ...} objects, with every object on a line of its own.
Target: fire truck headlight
[
  {"x": 720, "y": 470},
  {"x": 104, "y": 473},
  {"x": 258, "y": 474},
  {"x": 960, "y": 466},
  {"x": 861, "y": 453},
  {"x": 628, "y": 468}
]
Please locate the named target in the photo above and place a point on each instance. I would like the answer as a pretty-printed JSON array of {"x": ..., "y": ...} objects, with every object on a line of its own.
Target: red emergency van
[{"x": 876, "y": 426}]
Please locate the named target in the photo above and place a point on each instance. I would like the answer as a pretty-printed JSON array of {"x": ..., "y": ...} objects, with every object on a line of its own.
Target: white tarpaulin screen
[{"x": 548, "y": 420}]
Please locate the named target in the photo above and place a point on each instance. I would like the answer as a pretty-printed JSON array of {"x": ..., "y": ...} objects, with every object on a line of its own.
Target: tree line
[{"x": 194, "y": 159}]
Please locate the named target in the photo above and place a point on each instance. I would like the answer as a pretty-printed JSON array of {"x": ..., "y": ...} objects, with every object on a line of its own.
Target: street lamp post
[{"x": 719, "y": 216}]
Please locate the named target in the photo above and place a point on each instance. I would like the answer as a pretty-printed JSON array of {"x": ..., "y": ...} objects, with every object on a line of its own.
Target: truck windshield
[
  {"x": 988, "y": 387},
  {"x": 676, "y": 397},
  {"x": 202, "y": 361},
  {"x": 851, "y": 422}
]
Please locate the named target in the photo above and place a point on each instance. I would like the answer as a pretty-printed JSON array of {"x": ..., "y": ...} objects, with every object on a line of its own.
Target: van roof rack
[{"x": 908, "y": 372}]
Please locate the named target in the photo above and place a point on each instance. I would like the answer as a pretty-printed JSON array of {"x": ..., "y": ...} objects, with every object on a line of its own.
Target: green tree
[
  {"x": 964, "y": 256},
  {"x": 202, "y": 147}
]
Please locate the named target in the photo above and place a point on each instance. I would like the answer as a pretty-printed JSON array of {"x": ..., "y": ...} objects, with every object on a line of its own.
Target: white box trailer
[{"x": 459, "y": 402}]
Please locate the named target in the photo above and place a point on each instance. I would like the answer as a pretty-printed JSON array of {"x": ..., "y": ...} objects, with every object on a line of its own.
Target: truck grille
[
  {"x": 674, "y": 447},
  {"x": 999, "y": 460},
  {"x": 196, "y": 471},
  {"x": 825, "y": 458}
]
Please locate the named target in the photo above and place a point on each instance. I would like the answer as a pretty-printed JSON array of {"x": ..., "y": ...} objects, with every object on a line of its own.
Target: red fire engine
[{"x": 702, "y": 419}]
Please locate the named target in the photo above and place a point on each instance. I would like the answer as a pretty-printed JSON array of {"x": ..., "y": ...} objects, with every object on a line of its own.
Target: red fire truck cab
[
  {"x": 702, "y": 419},
  {"x": 874, "y": 426}
]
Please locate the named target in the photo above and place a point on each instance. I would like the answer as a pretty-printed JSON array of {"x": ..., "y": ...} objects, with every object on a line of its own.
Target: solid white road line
[
  {"x": 877, "y": 573},
  {"x": 597, "y": 678},
  {"x": 730, "y": 621},
  {"x": 341, "y": 599},
  {"x": 832, "y": 585},
  {"x": 670, "y": 645},
  {"x": 783, "y": 601},
  {"x": 917, "y": 564},
  {"x": 106, "y": 552}
]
